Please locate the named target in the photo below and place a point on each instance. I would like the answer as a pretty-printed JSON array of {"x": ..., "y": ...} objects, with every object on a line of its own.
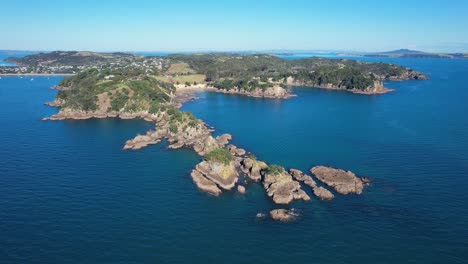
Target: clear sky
[{"x": 171, "y": 25}]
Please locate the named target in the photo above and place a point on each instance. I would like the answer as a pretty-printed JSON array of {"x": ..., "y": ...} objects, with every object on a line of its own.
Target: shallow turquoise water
[{"x": 69, "y": 194}]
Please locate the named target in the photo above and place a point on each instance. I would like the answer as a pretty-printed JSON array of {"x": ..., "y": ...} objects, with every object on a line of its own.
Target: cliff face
[
  {"x": 377, "y": 87},
  {"x": 271, "y": 92}
]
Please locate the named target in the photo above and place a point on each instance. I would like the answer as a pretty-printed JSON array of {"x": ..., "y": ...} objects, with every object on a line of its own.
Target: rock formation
[
  {"x": 224, "y": 175},
  {"x": 284, "y": 214},
  {"x": 204, "y": 184},
  {"x": 320, "y": 192},
  {"x": 283, "y": 189},
  {"x": 252, "y": 168},
  {"x": 344, "y": 182}
]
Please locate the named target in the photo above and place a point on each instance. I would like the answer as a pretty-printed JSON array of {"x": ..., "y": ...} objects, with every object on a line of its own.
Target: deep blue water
[{"x": 69, "y": 194}]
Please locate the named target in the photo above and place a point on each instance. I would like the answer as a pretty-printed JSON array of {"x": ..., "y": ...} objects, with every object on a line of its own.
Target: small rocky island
[{"x": 154, "y": 93}]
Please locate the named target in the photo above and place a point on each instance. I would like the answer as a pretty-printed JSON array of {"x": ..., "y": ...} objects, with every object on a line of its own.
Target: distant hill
[
  {"x": 406, "y": 53},
  {"x": 68, "y": 58}
]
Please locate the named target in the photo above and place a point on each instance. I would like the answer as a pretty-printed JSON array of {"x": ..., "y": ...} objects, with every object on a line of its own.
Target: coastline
[{"x": 37, "y": 74}]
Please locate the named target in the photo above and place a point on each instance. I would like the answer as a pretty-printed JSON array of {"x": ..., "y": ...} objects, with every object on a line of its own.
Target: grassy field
[
  {"x": 180, "y": 67},
  {"x": 191, "y": 78}
]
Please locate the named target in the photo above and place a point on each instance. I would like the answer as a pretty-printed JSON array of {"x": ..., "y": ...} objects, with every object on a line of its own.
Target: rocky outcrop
[
  {"x": 141, "y": 141},
  {"x": 318, "y": 191},
  {"x": 276, "y": 91},
  {"x": 204, "y": 184},
  {"x": 300, "y": 176},
  {"x": 235, "y": 151},
  {"x": 376, "y": 88},
  {"x": 223, "y": 140},
  {"x": 283, "y": 189},
  {"x": 224, "y": 175},
  {"x": 284, "y": 214},
  {"x": 55, "y": 103},
  {"x": 252, "y": 168},
  {"x": 344, "y": 182},
  {"x": 323, "y": 193}
]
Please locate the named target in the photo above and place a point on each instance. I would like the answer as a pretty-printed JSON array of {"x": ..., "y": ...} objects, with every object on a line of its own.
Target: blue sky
[{"x": 140, "y": 25}]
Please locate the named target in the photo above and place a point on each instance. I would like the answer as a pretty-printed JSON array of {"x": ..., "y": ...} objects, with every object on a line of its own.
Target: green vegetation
[
  {"x": 220, "y": 155},
  {"x": 346, "y": 77},
  {"x": 70, "y": 58},
  {"x": 260, "y": 71},
  {"x": 274, "y": 169},
  {"x": 125, "y": 91}
]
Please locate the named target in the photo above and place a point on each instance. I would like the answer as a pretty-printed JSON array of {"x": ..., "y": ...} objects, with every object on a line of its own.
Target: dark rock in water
[
  {"x": 284, "y": 214},
  {"x": 344, "y": 182}
]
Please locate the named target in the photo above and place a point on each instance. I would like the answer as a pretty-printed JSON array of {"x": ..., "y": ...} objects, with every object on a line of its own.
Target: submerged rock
[
  {"x": 344, "y": 182},
  {"x": 240, "y": 189}
]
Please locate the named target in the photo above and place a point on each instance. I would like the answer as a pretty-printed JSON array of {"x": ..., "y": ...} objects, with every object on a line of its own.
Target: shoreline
[{"x": 37, "y": 74}]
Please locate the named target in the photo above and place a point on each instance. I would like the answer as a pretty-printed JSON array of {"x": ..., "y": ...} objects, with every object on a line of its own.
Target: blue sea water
[{"x": 70, "y": 194}]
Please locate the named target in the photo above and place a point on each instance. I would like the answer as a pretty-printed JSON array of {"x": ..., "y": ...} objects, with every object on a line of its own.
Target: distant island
[
  {"x": 406, "y": 53},
  {"x": 127, "y": 86}
]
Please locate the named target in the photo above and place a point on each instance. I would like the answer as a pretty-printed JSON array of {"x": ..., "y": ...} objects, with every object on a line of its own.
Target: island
[
  {"x": 407, "y": 53},
  {"x": 153, "y": 88}
]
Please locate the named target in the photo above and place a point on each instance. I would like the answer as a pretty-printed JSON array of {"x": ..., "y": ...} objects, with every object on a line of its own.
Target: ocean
[{"x": 70, "y": 194}]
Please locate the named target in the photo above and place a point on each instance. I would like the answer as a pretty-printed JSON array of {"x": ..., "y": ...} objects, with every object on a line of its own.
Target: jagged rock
[
  {"x": 323, "y": 193},
  {"x": 140, "y": 141},
  {"x": 176, "y": 145},
  {"x": 320, "y": 192},
  {"x": 224, "y": 175},
  {"x": 276, "y": 92},
  {"x": 223, "y": 139},
  {"x": 205, "y": 145},
  {"x": 271, "y": 92},
  {"x": 252, "y": 168},
  {"x": 204, "y": 184},
  {"x": 365, "y": 180},
  {"x": 240, "y": 189},
  {"x": 300, "y": 176},
  {"x": 283, "y": 189},
  {"x": 284, "y": 214},
  {"x": 344, "y": 182},
  {"x": 235, "y": 151}
]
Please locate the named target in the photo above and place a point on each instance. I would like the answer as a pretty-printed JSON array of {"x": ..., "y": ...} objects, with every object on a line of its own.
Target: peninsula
[{"x": 153, "y": 88}]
